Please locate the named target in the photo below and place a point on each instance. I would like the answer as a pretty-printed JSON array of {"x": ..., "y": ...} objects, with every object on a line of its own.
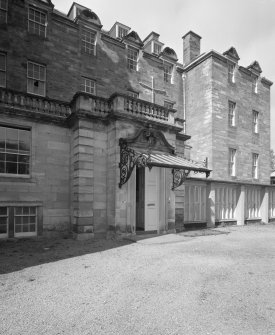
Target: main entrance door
[{"x": 147, "y": 199}]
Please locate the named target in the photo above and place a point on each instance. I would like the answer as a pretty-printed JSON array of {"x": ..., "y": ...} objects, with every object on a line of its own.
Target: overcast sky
[{"x": 248, "y": 25}]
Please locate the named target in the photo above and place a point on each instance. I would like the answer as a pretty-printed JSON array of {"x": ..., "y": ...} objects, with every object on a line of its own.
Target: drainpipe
[{"x": 184, "y": 101}]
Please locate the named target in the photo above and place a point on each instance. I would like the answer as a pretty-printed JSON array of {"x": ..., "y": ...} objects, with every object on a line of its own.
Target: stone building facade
[{"x": 93, "y": 137}]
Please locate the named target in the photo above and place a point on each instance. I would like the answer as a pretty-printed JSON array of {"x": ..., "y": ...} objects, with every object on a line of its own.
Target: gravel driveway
[{"x": 220, "y": 283}]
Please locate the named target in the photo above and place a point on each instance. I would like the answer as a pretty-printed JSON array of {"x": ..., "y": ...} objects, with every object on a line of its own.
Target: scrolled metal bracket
[
  {"x": 128, "y": 160},
  {"x": 179, "y": 176}
]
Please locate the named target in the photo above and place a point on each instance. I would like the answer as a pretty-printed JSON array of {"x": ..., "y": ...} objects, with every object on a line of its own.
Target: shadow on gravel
[
  {"x": 18, "y": 254},
  {"x": 202, "y": 232}
]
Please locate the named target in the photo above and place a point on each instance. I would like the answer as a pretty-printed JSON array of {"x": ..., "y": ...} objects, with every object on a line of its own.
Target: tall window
[
  {"x": 168, "y": 69},
  {"x": 132, "y": 58},
  {"x": 3, "y": 70},
  {"x": 231, "y": 75},
  {"x": 87, "y": 85},
  {"x": 37, "y": 22},
  {"x": 255, "y": 122},
  {"x": 36, "y": 79},
  {"x": 255, "y": 85},
  {"x": 255, "y": 166},
  {"x": 15, "y": 150},
  {"x": 3, "y": 11},
  {"x": 88, "y": 41},
  {"x": 232, "y": 162},
  {"x": 121, "y": 32},
  {"x": 232, "y": 113}
]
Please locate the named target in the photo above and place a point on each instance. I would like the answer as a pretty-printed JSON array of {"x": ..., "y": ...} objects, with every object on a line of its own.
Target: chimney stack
[{"x": 191, "y": 47}]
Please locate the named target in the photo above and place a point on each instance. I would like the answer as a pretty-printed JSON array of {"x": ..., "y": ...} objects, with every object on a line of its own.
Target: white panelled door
[{"x": 152, "y": 180}]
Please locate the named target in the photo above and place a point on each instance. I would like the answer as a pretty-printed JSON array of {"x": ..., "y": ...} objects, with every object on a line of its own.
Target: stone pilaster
[
  {"x": 210, "y": 209},
  {"x": 265, "y": 205},
  {"x": 83, "y": 179},
  {"x": 240, "y": 208}
]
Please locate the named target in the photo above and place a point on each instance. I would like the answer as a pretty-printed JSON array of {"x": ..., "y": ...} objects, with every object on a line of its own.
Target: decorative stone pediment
[
  {"x": 149, "y": 139},
  {"x": 232, "y": 53},
  {"x": 255, "y": 67},
  {"x": 133, "y": 37},
  {"x": 90, "y": 16},
  {"x": 169, "y": 53}
]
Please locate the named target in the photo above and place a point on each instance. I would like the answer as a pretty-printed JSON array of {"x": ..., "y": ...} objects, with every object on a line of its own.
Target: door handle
[{"x": 151, "y": 204}]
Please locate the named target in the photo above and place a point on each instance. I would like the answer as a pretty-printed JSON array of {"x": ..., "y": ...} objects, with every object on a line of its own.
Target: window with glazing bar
[
  {"x": 121, "y": 32},
  {"x": 87, "y": 85},
  {"x": 255, "y": 167},
  {"x": 36, "y": 79},
  {"x": 255, "y": 122},
  {"x": 3, "y": 68},
  {"x": 37, "y": 22},
  {"x": 132, "y": 58},
  {"x": 132, "y": 94},
  {"x": 232, "y": 113},
  {"x": 15, "y": 150},
  {"x": 88, "y": 41},
  {"x": 168, "y": 69},
  {"x": 232, "y": 162},
  {"x": 3, "y": 11}
]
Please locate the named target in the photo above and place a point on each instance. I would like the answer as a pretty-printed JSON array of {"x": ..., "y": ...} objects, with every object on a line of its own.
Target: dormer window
[
  {"x": 121, "y": 32},
  {"x": 156, "y": 48},
  {"x": 3, "y": 11},
  {"x": 88, "y": 41},
  {"x": 168, "y": 69},
  {"x": 231, "y": 74},
  {"x": 37, "y": 22}
]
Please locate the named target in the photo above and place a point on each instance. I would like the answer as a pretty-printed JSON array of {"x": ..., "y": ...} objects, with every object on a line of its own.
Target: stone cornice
[
  {"x": 245, "y": 70},
  {"x": 224, "y": 59},
  {"x": 266, "y": 81},
  {"x": 62, "y": 19},
  {"x": 183, "y": 137},
  {"x": 112, "y": 40},
  {"x": 153, "y": 57}
]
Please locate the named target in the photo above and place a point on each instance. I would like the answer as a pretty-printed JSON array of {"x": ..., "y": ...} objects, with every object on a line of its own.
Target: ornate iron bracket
[
  {"x": 128, "y": 160},
  {"x": 179, "y": 176}
]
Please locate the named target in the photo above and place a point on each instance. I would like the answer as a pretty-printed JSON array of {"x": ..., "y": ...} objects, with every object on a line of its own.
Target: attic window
[
  {"x": 156, "y": 48},
  {"x": 121, "y": 32}
]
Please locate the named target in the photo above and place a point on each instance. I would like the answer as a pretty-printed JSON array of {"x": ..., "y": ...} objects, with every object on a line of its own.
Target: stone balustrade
[
  {"x": 88, "y": 104},
  {"x": 27, "y": 102}
]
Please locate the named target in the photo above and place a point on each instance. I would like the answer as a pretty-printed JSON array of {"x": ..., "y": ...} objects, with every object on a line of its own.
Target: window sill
[{"x": 4, "y": 177}]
